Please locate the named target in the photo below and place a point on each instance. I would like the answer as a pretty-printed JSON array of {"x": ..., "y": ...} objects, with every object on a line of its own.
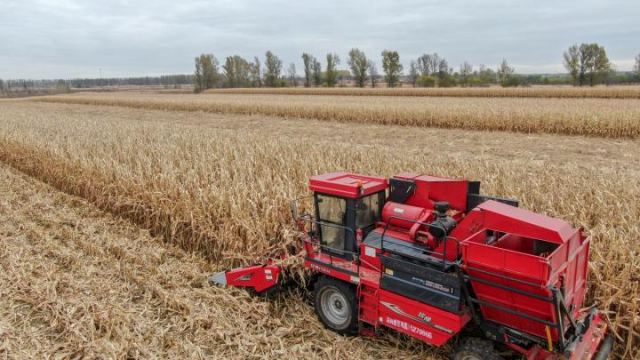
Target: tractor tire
[
  {"x": 336, "y": 305},
  {"x": 475, "y": 349}
]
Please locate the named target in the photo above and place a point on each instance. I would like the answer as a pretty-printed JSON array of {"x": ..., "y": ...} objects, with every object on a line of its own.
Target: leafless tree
[
  {"x": 413, "y": 73},
  {"x": 256, "y": 72},
  {"x": 307, "y": 60},
  {"x": 465, "y": 73},
  {"x": 428, "y": 64},
  {"x": 293, "y": 75},
  {"x": 373, "y": 73}
]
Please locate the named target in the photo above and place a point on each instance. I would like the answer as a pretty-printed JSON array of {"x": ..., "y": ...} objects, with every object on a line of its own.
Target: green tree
[
  {"x": 307, "y": 60},
  {"x": 601, "y": 68},
  {"x": 427, "y": 81},
  {"x": 273, "y": 67},
  {"x": 572, "y": 63},
  {"x": 392, "y": 67},
  {"x": 486, "y": 75},
  {"x": 413, "y": 73},
  {"x": 636, "y": 67},
  {"x": 206, "y": 74},
  {"x": 317, "y": 72},
  {"x": 444, "y": 74},
  {"x": 237, "y": 72},
  {"x": 505, "y": 72},
  {"x": 358, "y": 63},
  {"x": 331, "y": 73},
  {"x": 587, "y": 64},
  {"x": 62, "y": 87}
]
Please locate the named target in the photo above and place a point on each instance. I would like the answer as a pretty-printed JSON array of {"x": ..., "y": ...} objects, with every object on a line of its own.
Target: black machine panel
[
  {"x": 400, "y": 190},
  {"x": 474, "y": 198},
  {"x": 421, "y": 283}
]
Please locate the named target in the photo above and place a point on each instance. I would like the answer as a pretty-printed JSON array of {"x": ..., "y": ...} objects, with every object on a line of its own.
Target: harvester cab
[{"x": 430, "y": 257}]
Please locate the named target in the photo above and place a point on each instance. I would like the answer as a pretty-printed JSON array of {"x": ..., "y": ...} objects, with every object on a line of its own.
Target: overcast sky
[{"x": 73, "y": 38}]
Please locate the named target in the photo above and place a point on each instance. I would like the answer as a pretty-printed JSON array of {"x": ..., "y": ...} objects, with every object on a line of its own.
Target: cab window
[
  {"x": 367, "y": 211},
  {"x": 332, "y": 216}
]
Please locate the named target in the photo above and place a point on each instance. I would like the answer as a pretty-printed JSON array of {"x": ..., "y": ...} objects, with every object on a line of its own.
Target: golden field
[
  {"x": 76, "y": 283},
  {"x": 562, "y": 92},
  {"x": 214, "y": 184},
  {"x": 612, "y": 118}
]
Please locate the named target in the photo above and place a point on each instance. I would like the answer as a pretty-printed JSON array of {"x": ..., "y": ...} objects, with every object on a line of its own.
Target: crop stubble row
[{"x": 609, "y": 118}]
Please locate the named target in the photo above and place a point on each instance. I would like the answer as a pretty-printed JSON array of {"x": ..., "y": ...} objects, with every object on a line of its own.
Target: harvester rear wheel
[
  {"x": 336, "y": 305},
  {"x": 475, "y": 349}
]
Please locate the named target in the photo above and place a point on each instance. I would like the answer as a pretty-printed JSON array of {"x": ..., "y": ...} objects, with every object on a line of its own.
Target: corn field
[
  {"x": 563, "y": 92},
  {"x": 588, "y": 117},
  {"x": 218, "y": 187}
]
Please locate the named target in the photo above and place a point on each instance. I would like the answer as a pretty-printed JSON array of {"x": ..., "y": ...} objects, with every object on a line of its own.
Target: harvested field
[
  {"x": 563, "y": 92},
  {"x": 589, "y": 117},
  {"x": 78, "y": 283},
  {"x": 219, "y": 186}
]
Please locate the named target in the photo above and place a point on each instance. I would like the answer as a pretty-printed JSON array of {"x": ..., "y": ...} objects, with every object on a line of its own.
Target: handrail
[{"x": 429, "y": 225}]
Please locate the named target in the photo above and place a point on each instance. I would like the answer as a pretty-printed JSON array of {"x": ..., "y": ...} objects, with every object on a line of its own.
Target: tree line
[
  {"x": 587, "y": 64},
  {"x": 12, "y": 86}
]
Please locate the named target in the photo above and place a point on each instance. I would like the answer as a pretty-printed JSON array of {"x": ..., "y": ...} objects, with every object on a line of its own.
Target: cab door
[{"x": 334, "y": 214}]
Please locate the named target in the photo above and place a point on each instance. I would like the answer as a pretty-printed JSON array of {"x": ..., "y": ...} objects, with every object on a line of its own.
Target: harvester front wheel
[
  {"x": 336, "y": 305},
  {"x": 475, "y": 349}
]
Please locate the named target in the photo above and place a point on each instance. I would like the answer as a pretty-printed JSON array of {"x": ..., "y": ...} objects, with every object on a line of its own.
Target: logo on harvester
[
  {"x": 421, "y": 318},
  {"x": 399, "y": 211},
  {"x": 424, "y": 317},
  {"x": 320, "y": 268}
]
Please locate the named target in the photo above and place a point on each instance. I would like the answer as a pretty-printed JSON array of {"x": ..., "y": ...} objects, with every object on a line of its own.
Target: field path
[{"x": 79, "y": 283}]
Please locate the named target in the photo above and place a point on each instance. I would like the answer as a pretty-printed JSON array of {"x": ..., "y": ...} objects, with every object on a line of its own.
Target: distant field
[
  {"x": 564, "y": 92},
  {"x": 613, "y": 118}
]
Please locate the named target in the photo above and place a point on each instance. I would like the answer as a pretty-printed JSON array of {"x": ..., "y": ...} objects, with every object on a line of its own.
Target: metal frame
[{"x": 430, "y": 252}]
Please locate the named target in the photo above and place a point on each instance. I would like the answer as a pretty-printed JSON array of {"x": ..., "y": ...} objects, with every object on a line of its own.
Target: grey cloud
[{"x": 74, "y": 38}]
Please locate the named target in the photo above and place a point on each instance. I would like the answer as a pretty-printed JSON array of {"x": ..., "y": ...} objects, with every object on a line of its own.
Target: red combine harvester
[{"x": 431, "y": 257}]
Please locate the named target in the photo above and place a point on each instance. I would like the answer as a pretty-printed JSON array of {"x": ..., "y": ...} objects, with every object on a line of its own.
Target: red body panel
[
  {"x": 347, "y": 185},
  {"x": 259, "y": 277},
  {"x": 430, "y": 189},
  {"x": 513, "y": 256},
  {"x": 419, "y": 320}
]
